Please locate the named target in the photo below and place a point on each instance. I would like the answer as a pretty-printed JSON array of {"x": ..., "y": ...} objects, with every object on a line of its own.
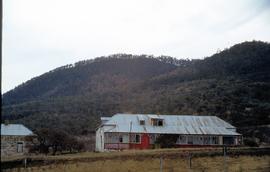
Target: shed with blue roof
[{"x": 16, "y": 139}]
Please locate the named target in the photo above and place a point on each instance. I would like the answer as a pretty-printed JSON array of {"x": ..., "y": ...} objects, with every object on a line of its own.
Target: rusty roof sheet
[
  {"x": 173, "y": 124},
  {"x": 15, "y": 130}
]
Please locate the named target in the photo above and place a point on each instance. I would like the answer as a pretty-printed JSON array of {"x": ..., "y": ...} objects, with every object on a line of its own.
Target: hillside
[{"x": 233, "y": 84}]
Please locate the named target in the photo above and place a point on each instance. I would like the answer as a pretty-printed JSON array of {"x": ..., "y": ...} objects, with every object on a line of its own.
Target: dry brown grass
[
  {"x": 200, "y": 164},
  {"x": 112, "y": 154},
  {"x": 147, "y": 160}
]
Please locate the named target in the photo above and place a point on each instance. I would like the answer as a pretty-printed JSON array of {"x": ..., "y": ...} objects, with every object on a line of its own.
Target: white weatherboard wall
[
  {"x": 100, "y": 140},
  {"x": 100, "y": 136}
]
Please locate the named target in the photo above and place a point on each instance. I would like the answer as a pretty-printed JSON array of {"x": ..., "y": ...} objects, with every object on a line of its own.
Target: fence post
[
  {"x": 190, "y": 160},
  {"x": 224, "y": 154},
  {"x": 161, "y": 163},
  {"x": 25, "y": 162}
]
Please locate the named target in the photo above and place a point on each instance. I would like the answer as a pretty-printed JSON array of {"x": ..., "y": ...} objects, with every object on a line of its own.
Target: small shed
[{"x": 16, "y": 139}]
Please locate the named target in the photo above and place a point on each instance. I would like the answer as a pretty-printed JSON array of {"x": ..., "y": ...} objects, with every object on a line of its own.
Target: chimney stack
[{"x": 6, "y": 122}]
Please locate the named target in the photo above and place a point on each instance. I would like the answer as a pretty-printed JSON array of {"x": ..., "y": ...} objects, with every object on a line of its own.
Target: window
[
  {"x": 19, "y": 147},
  {"x": 160, "y": 122},
  {"x": 215, "y": 140},
  {"x": 135, "y": 138},
  {"x": 142, "y": 122},
  {"x": 120, "y": 139},
  {"x": 138, "y": 138},
  {"x": 190, "y": 140},
  {"x": 152, "y": 138},
  {"x": 196, "y": 140},
  {"x": 206, "y": 140},
  {"x": 182, "y": 139},
  {"x": 116, "y": 137},
  {"x": 111, "y": 137},
  {"x": 157, "y": 122}
]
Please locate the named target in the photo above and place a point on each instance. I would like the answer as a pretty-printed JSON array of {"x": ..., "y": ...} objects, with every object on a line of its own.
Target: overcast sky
[{"x": 40, "y": 35}]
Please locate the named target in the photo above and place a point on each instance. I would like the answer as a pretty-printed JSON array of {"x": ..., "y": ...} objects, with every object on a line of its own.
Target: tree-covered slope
[
  {"x": 88, "y": 76},
  {"x": 233, "y": 84}
]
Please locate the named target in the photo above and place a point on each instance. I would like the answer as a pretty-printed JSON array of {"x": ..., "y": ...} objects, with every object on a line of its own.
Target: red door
[{"x": 145, "y": 141}]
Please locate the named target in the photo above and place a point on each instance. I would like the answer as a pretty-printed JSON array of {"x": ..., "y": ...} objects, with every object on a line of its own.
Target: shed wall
[{"x": 15, "y": 145}]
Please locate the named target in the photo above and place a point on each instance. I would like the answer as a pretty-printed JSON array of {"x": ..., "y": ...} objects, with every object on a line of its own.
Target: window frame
[
  {"x": 18, "y": 147},
  {"x": 121, "y": 139},
  {"x": 133, "y": 138},
  {"x": 157, "y": 122},
  {"x": 142, "y": 122}
]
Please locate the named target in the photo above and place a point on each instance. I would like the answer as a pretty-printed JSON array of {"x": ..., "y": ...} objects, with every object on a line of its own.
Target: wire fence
[
  {"x": 188, "y": 164},
  {"x": 210, "y": 160}
]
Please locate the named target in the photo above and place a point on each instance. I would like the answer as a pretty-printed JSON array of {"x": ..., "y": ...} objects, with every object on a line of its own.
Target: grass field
[{"x": 147, "y": 160}]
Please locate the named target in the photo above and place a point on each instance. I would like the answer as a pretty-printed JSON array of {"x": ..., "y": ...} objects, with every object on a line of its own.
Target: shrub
[{"x": 250, "y": 142}]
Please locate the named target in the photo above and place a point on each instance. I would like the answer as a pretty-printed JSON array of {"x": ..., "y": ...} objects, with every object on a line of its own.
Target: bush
[
  {"x": 250, "y": 142},
  {"x": 57, "y": 141}
]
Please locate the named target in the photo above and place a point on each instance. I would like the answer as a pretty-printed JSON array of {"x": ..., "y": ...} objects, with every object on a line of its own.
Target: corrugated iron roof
[
  {"x": 173, "y": 124},
  {"x": 105, "y": 118},
  {"x": 153, "y": 116},
  {"x": 15, "y": 130},
  {"x": 141, "y": 117}
]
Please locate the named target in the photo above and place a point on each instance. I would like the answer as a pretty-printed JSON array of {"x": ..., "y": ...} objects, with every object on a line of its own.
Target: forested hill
[
  {"x": 89, "y": 76},
  {"x": 233, "y": 84}
]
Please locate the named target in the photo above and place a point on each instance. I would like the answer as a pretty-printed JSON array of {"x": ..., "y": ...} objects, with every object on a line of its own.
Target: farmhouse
[
  {"x": 141, "y": 131},
  {"x": 15, "y": 139}
]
